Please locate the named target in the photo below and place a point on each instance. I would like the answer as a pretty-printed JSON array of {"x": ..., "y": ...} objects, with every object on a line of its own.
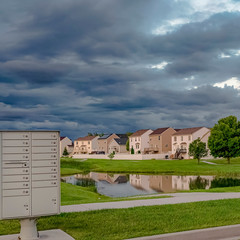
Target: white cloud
[
  {"x": 170, "y": 26},
  {"x": 232, "y": 82},
  {"x": 189, "y": 78},
  {"x": 160, "y": 66},
  {"x": 222, "y": 55}
]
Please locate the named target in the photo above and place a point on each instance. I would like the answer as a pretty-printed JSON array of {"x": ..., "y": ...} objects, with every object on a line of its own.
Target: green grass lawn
[
  {"x": 140, "y": 221},
  {"x": 171, "y": 167}
]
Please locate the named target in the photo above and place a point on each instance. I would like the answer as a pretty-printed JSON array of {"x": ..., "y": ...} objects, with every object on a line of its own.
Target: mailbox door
[{"x": 45, "y": 201}]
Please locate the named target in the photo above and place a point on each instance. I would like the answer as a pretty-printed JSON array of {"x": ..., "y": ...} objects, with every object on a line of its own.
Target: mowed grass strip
[
  {"x": 171, "y": 167},
  {"x": 140, "y": 221}
]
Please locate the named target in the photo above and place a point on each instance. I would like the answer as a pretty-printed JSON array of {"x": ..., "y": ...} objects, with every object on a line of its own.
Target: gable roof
[
  {"x": 187, "y": 131},
  {"x": 61, "y": 138},
  {"x": 86, "y": 138},
  {"x": 122, "y": 135},
  {"x": 105, "y": 136},
  {"x": 139, "y": 133},
  {"x": 159, "y": 131},
  {"x": 121, "y": 141}
]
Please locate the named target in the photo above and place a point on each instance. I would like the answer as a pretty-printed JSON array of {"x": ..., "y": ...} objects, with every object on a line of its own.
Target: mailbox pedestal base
[{"x": 28, "y": 229}]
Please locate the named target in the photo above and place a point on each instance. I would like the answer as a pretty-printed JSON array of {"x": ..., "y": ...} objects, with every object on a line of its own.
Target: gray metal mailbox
[{"x": 29, "y": 174}]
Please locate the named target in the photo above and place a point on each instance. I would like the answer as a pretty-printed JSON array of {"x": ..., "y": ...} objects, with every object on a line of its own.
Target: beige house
[
  {"x": 118, "y": 145},
  {"x": 85, "y": 145},
  {"x": 160, "y": 141},
  {"x": 182, "y": 138},
  {"x": 103, "y": 142},
  {"x": 64, "y": 143},
  {"x": 139, "y": 140}
]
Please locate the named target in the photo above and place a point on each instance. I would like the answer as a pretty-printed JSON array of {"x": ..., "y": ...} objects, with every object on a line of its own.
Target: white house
[
  {"x": 64, "y": 143},
  {"x": 139, "y": 140},
  {"x": 86, "y": 145},
  {"x": 182, "y": 138}
]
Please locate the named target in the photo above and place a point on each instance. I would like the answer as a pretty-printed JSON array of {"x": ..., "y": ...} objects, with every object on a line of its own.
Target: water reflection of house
[
  {"x": 110, "y": 178},
  {"x": 140, "y": 181},
  {"x": 183, "y": 182},
  {"x": 161, "y": 183}
]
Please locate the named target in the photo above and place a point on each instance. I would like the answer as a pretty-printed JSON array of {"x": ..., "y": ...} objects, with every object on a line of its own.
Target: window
[
  {"x": 82, "y": 143},
  {"x": 189, "y": 137},
  {"x": 175, "y": 139},
  {"x": 135, "y": 139},
  {"x": 131, "y": 139},
  {"x": 88, "y": 143},
  {"x": 181, "y": 138},
  {"x": 139, "y": 139},
  {"x": 158, "y": 137}
]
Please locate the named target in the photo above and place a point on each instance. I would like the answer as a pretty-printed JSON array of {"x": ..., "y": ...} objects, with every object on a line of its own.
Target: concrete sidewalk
[
  {"x": 231, "y": 232},
  {"x": 174, "y": 199}
]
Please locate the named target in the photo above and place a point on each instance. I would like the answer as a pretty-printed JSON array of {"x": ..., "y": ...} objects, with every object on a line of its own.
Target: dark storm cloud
[{"x": 90, "y": 66}]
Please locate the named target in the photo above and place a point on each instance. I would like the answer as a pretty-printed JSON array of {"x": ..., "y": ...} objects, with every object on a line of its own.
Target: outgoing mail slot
[
  {"x": 15, "y": 157},
  {"x": 15, "y": 135},
  {"x": 44, "y": 170},
  {"x": 42, "y": 177},
  {"x": 43, "y": 156},
  {"x": 16, "y": 185},
  {"x": 43, "y": 143},
  {"x": 16, "y": 192},
  {"x": 16, "y": 206},
  {"x": 46, "y": 163},
  {"x": 44, "y": 149},
  {"x": 16, "y": 150},
  {"x": 16, "y": 178},
  {"x": 15, "y": 171},
  {"x": 44, "y": 135},
  {"x": 15, "y": 143},
  {"x": 40, "y": 184},
  {"x": 13, "y": 164}
]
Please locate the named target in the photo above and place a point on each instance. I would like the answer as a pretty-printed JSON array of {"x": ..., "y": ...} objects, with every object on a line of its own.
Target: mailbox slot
[
  {"x": 44, "y": 156},
  {"x": 46, "y": 163}
]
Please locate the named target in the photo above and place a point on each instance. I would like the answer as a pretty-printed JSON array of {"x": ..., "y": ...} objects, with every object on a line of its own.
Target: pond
[{"x": 125, "y": 185}]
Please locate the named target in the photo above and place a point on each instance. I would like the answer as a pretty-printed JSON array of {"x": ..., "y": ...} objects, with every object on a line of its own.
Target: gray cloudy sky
[{"x": 116, "y": 66}]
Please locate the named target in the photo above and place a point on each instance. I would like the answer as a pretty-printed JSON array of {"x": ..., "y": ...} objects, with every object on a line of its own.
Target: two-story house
[
  {"x": 118, "y": 145},
  {"x": 139, "y": 140},
  {"x": 103, "y": 142},
  {"x": 84, "y": 145},
  {"x": 160, "y": 141},
  {"x": 65, "y": 142},
  {"x": 182, "y": 138}
]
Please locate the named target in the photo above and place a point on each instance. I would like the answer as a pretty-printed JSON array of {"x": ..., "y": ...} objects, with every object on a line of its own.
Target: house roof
[
  {"x": 86, "y": 138},
  {"x": 61, "y": 138},
  {"x": 105, "y": 136},
  {"x": 139, "y": 133},
  {"x": 159, "y": 131},
  {"x": 121, "y": 141},
  {"x": 122, "y": 135},
  {"x": 187, "y": 131}
]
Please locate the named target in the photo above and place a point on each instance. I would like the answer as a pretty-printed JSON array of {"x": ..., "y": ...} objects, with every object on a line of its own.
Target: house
[
  {"x": 182, "y": 138},
  {"x": 85, "y": 145},
  {"x": 103, "y": 142},
  {"x": 118, "y": 145},
  {"x": 160, "y": 141},
  {"x": 64, "y": 142},
  {"x": 139, "y": 140}
]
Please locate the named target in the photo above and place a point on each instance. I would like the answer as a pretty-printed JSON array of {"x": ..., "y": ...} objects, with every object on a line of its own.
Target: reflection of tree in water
[
  {"x": 85, "y": 182},
  {"x": 225, "y": 182},
  {"x": 198, "y": 183}
]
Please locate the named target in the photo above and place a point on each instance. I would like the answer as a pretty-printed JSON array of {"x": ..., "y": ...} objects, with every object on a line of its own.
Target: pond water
[{"x": 125, "y": 185}]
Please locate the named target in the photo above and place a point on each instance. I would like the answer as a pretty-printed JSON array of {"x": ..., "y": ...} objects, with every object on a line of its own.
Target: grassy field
[
  {"x": 140, "y": 221},
  {"x": 172, "y": 167}
]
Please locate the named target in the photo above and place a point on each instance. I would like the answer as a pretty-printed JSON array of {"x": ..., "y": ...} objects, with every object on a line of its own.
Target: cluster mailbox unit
[{"x": 29, "y": 174}]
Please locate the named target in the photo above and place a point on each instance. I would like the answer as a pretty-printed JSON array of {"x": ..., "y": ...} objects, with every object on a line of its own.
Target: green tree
[
  {"x": 111, "y": 155},
  {"x": 197, "y": 149},
  {"x": 65, "y": 152},
  {"x": 224, "y": 140},
  {"x": 127, "y": 145},
  {"x": 132, "y": 150}
]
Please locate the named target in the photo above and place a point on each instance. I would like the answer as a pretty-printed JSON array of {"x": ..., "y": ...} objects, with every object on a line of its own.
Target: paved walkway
[
  {"x": 176, "y": 198},
  {"x": 231, "y": 232}
]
